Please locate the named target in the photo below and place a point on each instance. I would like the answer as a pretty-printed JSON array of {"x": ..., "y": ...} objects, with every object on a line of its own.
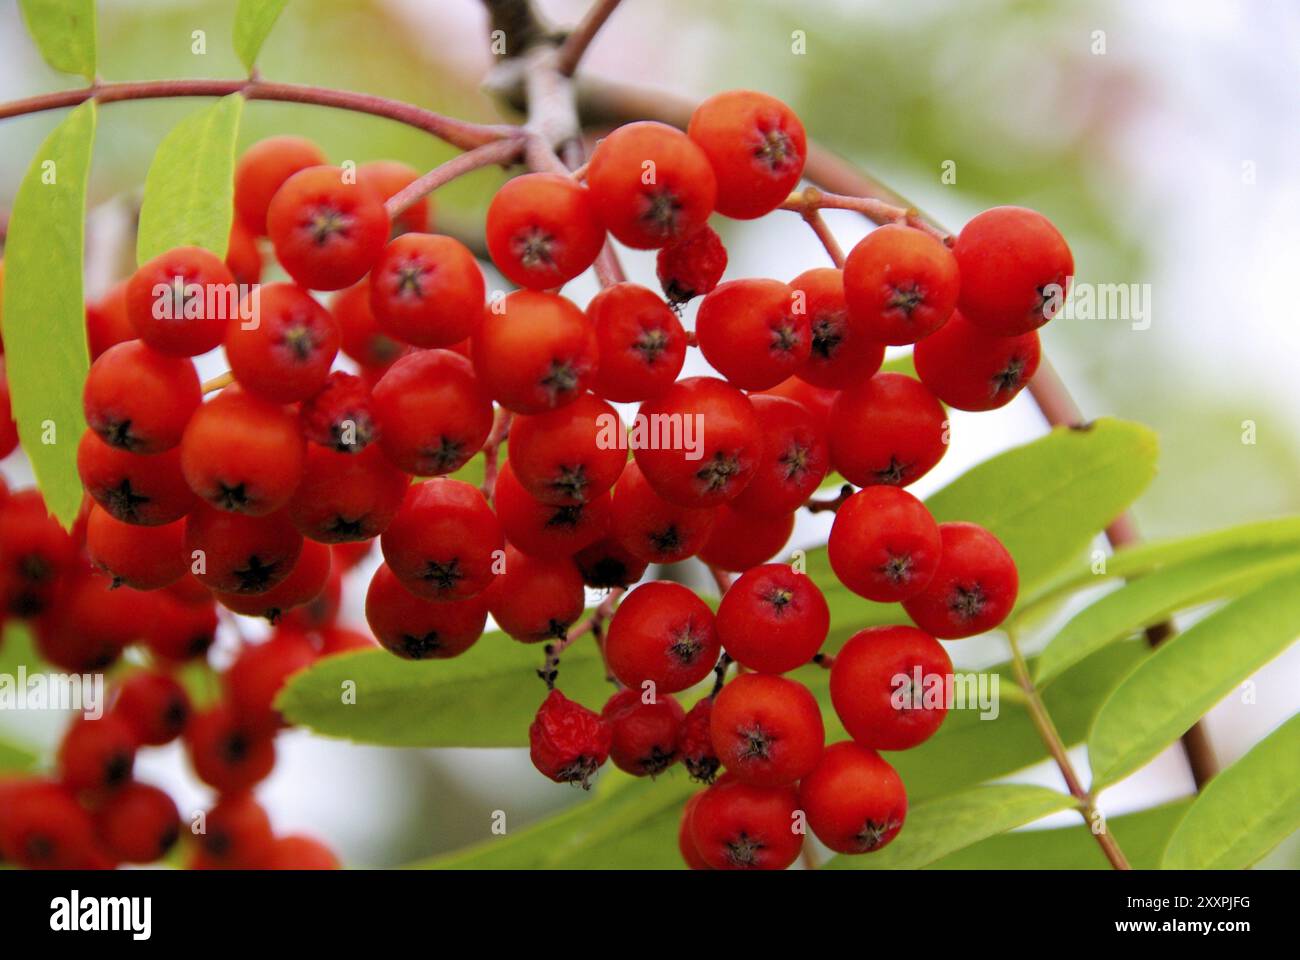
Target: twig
[
  {"x": 496, "y": 152},
  {"x": 575, "y": 45},
  {"x": 593, "y": 624}
]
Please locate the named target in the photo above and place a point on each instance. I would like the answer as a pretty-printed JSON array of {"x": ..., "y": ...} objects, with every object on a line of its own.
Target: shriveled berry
[{"x": 568, "y": 742}]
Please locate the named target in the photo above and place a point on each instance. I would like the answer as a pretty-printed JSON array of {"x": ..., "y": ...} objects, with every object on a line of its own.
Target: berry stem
[
  {"x": 831, "y": 504},
  {"x": 577, "y": 42},
  {"x": 721, "y": 578},
  {"x": 594, "y": 624},
  {"x": 501, "y": 152},
  {"x": 809, "y": 201},
  {"x": 492, "y": 451},
  {"x": 219, "y": 381}
]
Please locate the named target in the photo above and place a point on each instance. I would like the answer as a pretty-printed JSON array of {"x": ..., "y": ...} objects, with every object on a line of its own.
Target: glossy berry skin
[
  {"x": 42, "y": 826},
  {"x": 179, "y": 301},
  {"x": 433, "y": 414},
  {"x": 542, "y": 230},
  {"x": 131, "y": 487},
  {"x": 749, "y": 332},
  {"x": 969, "y": 369},
  {"x": 713, "y": 449},
  {"x": 544, "y": 530},
  {"x": 339, "y": 416},
  {"x": 567, "y": 742},
  {"x": 842, "y": 354},
  {"x": 653, "y": 529},
  {"x": 243, "y": 454},
  {"x": 795, "y": 457},
  {"x": 569, "y": 455},
  {"x": 536, "y": 599},
  {"x": 698, "y": 755},
  {"x": 662, "y": 633},
  {"x": 297, "y": 852},
  {"x": 346, "y": 498},
  {"x": 146, "y": 558},
  {"x": 263, "y": 169},
  {"x": 767, "y": 730},
  {"x": 283, "y": 354},
  {"x": 327, "y": 232},
  {"x": 875, "y": 692},
  {"x": 974, "y": 588},
  {"x": 900, "y": 284},
  {"x": 884, "y": 544},
  {"x": 691, "y": 266},
  {"x": 243, "y": 256},
  {"x": 608, "y": 564},
  {"x": 686, "y": 839},
  {"x": 417, "y": 629},
  {"x": 756, "y": 146},
  {"x": 889, "y": 430},
  {"x": 816, "y": 400},
  {"x": 645, "y": 736},
  {"x": 1010, "y": 257},
  {"x": 739, "y": 826},
  {"x": 772, "y": 619},
  {"x": 359, "y": 333},
  {"x": 237, "y": 832},
  {"x": 427, "y": 290},
  {"x": 535, "y": 352},
  {"x": 387, "y": 178},
  {"x": 741, "y": 539},
  {"x": 225, "y": 753},
  {"x": 445, "y": 542},
  {"x": 651, "y": 184},
  {"x": 641, "y": 343},
  {"x": 107, "y": 322},
  {"x": 252, "y": 682},
  {"x": 854, "y": 800},
  {"x": 181, "y": 631},
  {"x": 91, "y": 623},
  {"x": 138, "y": 824},
  {"x": 139, "y": 400},
  {"x": 305, "y": 582},
  {"x": 239, "y": 553},
  {"x": 154, "y": 705},
  {"x": 97, "y": 754}
]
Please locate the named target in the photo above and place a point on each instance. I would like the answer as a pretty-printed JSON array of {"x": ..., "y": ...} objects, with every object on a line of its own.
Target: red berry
[
  {"x": 237, "y": 832},
  {"x": 146, "y": 558},
  {"x": 795, "y": 457},
  {"x": 900, "y": 284},
  {"x": 263, "y": 169},
  {"x": 8, "y": 429},
  {"x": 344, "y": 640},
  {"x": 138, "y": 399},
  {"x": 535, "y": 352},
  {"x": 569, "y": 455},
  {"x": 664, "y": 634},
  {"x": 544, "y": 530},
  {"x": 154, "y": 705},
  {"x": 444, "y": 543},
  {"x": 427, "y": 290},
  {"x": 698, "y": 755},
  {"x": 107, "y": 321},
  {"x": 651, "y": 528},
  {"x": 816, "y": 400},
  {"x": 432, "y": 413},
  {"x": 340, "y": 415},
  {"x": 889, "y": 430},
  {"x": 92, "y": 622},
  {"x": 646, "y": 736},
  {"x": 749, "y": 332},
  {"x": 419, "y": 629},
  {"x": 1015, "y": 266},
  {"x": 134, "y": 488},
  {"x": 534, "y": 599},
  {"x": 225, "y": 752},
  {"x": 138, "y": 824},
  {"x": 179, "y": 301},
  {"x": 692, "y": 266},
  {"x": 756, "y": 146},
  {"x": 739, "y": 826},
  {"x": 884, "y": 544},
  {"x": 741, "y": 539},
  {"x": 327, "y": 229},
  {"x": 888, "y": 687},
  {"x": 321, "y": 612},
  {"x": 608, "y": 564},
  {"x": 767, "y": 730},
  {"x": 259, "y": 673},
  {"x": 298, "y": 853},
  {"x": 854, "y": 800},
  {"x": 968, "y": 369},
  {"x": 686, "y": 839},
  {"x": 974, "y": 588},
  {"x": 773, "y": 619},
  {"x": 234, "y": 553},
  {"x": 568, "y": 742},
  {"x": 284, "y": 352},
  {"x": 542, "y": 230},
  {"x": 243, "y": 256},
  {"x": 346, "y": 498},
  {"x": 181, "y": 631},
  {"x": 842, "y": 354},
  {"x": 651, "y": 184},
  {"x": 97, "y": 754},
  {"x": 387, "y": 178},
  {"x": 35, "y": 554},
  {"x": 359, "y": 332},
  {"x": 304, "y": 583},
  {"x": 42, "y": 826},
  {"x": 641, "y": 343}
]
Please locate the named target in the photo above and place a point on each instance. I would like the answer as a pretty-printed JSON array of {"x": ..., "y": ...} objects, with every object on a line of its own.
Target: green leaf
[
  {"x": 1186, "y": 676},
  {"x": 189, "y": 190},
  {"x": 1155, "y": 596},
  {"x": 15, "y": 759},
  {"x": 64, "y": 30},
  {"x": 1246, "y": 810},
  {"x": 253, "y": 22},
  {"x": 940, "y": 827},
  {"x": 44, "y": 313}
]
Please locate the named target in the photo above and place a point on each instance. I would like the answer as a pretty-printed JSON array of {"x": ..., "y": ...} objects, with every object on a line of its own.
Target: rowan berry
[
  {"x": 536, "y": 599},
  {"x": 237, "y": 832},
  {"x": 686, "y": 839},
  {"x": 445, "y": 542},
  {"x": 884, "y": 544},
  {"x": 243, "y": 454},
  {"x": 816, "y": 400},
  {"x": 263, "y": 169},
  {"x": 890, "y": 430},
  {"x": 544, "y": 530},
  {"x": 138, "y": 399},
  {"x": 569, "y": 455},
  {"x": 417, "y": 629},
  {"x": 297, "y": 852},
  {"x": 236, "y": 553},
  {"x": 388, "y": 178},
  {"x": 652, "y": 185},
  {"x": 706, "y": 443},
  {"x": 974, "y": 588},
  {"x": 225, "y": 752},
  {"x": 1015, "y": 267},
  {"x": 345, "y": 640},
  {"x": 767, "y": 730},
  {"x": 321, "y": 612},
  {"x": 969, "y": 369},
  {"x": 795, "y": 457},
  {"x": 8, "y": 428},
  {"x": 346, "y": 498},
  {"x": 97, "y": 754},
  {"x": 284, "y": 352},
  {"x": 567, "y": 742},
  {"x": 888, "y": 687},
  {"x": 259, "y": 673},
  {"x": 741, "y": 539},
  {"x": 133, "y": 488},
  {"x": 641, "y": 343},
  {"x": 900, "y": 284},
  {"x": 359, "y": 332},
  {"x": 854, "y": 800},
  {"x": 698, "y": 755},
  {"x": 181, "y": 631},
  {"x": 339, "y": 416},
  {"x": 751, "y": 333},
  {"x": 179, "y": 301},
  {"x": 536, "y": 353},
  {"x": 842, "y": 354},
  {"x": 138, "y": 824},
  {"x": 645, "y": 736},
  {"x": 304, "y": 583},
  {"x": 773, "y": 619},
  {"x": 92, "y": 623},
  {"x": 653, "y": 529},
  {"x": 756, "y": 146},
  {"x": 433, "y": 414},
  {"x": 348, "y": 556},
  {"x": 608, "y": 564},
  {"x": 662, "y": 633},
  {"x": 42, "y": 826},
  {"x": 427, "y": 290},
  {"x": 542, "y": 230},
  {"x": 739, "y": 826},
  {"x": 154, "y": 705},
  {"x": 145, "y": 558},
  {"x": 107, "y": 321},
  {"x": 35, "y": 554},
  {"x": 243, "y": 256},
  {"x": 328, "y": 230},
  {"x": 692, "y": 266}
]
